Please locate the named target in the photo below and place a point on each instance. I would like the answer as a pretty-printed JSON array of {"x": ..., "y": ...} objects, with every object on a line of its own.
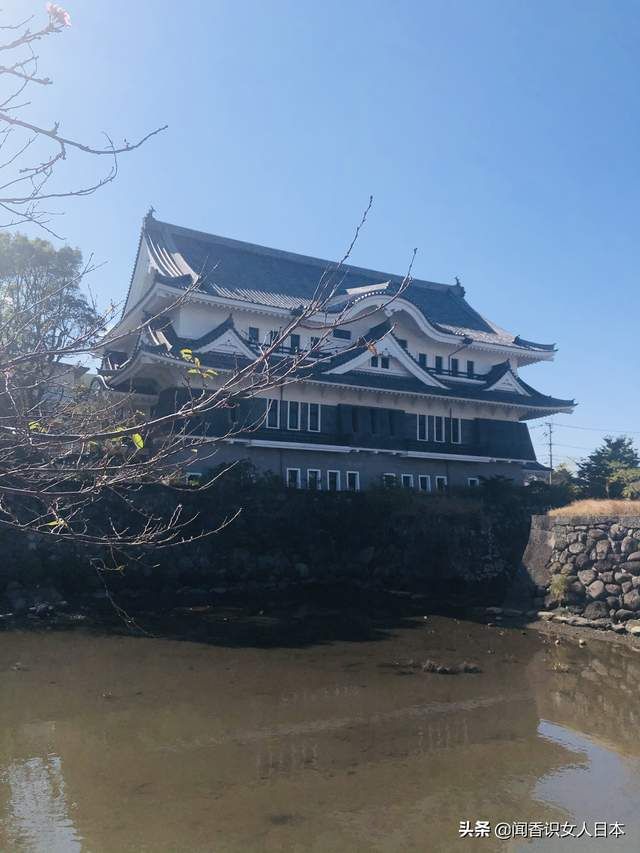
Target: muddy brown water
[{"x": 123, "y": 744}]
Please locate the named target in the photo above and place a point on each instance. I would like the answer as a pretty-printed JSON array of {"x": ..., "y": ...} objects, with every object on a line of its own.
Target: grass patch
[
  {"x": 597, "y": 507},
  {"x": 559, "y": 588}
]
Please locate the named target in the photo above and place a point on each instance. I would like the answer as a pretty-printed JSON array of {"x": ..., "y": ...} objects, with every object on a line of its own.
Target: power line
[{"x": 589, "y": 429}]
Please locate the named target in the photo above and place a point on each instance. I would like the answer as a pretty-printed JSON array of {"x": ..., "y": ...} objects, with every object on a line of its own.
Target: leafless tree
[{"x": 31, "y": 152}]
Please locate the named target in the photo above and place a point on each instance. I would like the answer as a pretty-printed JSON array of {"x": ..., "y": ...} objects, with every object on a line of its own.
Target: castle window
[
  {"x": 293, "y": 419},
  {"x": 441, "y": 484},
  {"x": 353, "y": 481},
  {"x": 471, "y": 369},
  {"x": 438, "y": 364},
  {"x": 473, "y": 482},
  {"x": 422, "y": 359},
  {"x": 407, "y": 481},
  {"x": 273, "y": 414},
  {"x": 293, "y": 478},
  {"x": 439, "y": 428},
  {"x": 254, "y": 334},
  {"x": 274, "y": 334},
  {"x": 295, "y": 343},
  {"x": 314, "y": 417},
  {"x": 314, "y": 479},
  {"x": 456, "y": 431},
  {"x": 342, "y": 334},
  {"x": 424, "y": 483},
  {"x": 333, "y": 481},
  {"x": 455, "y": 365},
  {"x": 380, "y": 361},
  {"x": 422, "y": 428}
]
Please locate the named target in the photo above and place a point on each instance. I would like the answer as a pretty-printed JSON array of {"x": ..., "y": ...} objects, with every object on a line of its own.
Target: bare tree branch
[{"x": 24, "y": 193}]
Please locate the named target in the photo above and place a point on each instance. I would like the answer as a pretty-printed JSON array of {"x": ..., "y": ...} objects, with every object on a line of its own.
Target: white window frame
[
  {"x": 459, "y": 441},
  {"x": 442, "y": 478},
  {"x": 426, "y": 428},
  {"x": 319, "y": 428},
  {"x": 288, "y": 484},
  {"x": 317, "y": 471},
  {"x": 273, "y": 401},
  {"x": 295, "y": 403},
  {"x": 427, "y": 479},
  {"x": 191, "y": 474},
  {"x": 394, "y": 478},
  {"x": 355, "y": 474},
  {"x": 473, "y": 482},
  {"x": 437, "y": 418},
  {"x": 329, "y": 472},
  {"x": 409, "y": 481}
]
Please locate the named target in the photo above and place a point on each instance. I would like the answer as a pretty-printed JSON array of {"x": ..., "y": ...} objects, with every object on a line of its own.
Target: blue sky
[{"x": 500, "y": 138}]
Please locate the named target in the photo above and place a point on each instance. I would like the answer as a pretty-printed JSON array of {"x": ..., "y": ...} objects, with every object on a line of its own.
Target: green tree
[
  {"x": 46, "y": 321},
  {"x": 598, "y": 475},
  {"x": 42, "y": 308},
  {"x": 562, "y": 475},
  {"x": 627, "y": 482}
]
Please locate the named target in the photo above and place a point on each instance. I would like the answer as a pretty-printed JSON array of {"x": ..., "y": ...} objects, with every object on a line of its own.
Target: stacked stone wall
[{"x": 592, "y": 567}]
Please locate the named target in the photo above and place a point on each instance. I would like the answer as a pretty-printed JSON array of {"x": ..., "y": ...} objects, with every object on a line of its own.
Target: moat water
[{"x": 111, "y": 744}]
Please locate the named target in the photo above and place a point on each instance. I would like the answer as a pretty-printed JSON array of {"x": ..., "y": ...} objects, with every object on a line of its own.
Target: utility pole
[{"x": 549, "y": 426}]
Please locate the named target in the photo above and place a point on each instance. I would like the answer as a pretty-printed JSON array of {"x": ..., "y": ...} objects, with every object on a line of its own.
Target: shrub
[{"x": 559, "y": 588}]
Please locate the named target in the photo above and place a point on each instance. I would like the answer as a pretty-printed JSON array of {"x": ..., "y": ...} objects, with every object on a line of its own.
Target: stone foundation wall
[
  {"x": 447, "y": 549},
  {"x": 592, "y": 566}
]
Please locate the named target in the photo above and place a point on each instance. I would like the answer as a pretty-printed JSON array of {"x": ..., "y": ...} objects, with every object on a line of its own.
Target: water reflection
[
  {"x": 603, "y": 786},
  {"x": 115, "y": 744},
  {"x": 37, "y": 812}
]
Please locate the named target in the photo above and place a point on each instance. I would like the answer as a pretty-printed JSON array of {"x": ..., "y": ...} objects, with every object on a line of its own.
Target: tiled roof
[
  {"x": 384, "y": 382},
  {"x": 166, "y": 342},
  {"x": 247, "y": 272},
  {"x": 164, "y": 328},
  {"x": 462, "y": 391}
]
